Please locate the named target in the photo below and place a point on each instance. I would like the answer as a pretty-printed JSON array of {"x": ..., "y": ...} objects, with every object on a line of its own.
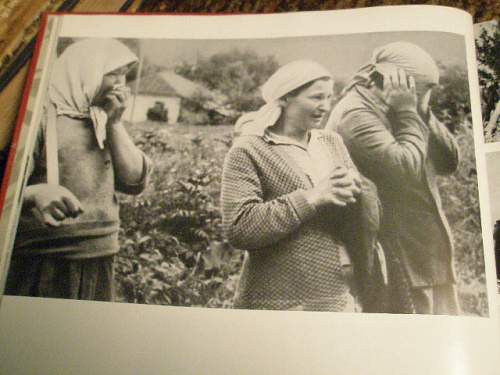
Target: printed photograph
[
  {"x": 492, "y": 160},
  {"x": 487, "y": 35},
  {"x": 327, "y": 173}
]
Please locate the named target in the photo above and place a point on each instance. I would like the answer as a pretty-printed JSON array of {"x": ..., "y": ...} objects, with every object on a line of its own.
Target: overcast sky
[{"x": 341, "y": 54}]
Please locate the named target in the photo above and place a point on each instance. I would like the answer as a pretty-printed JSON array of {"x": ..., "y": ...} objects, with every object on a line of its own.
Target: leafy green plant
[
  {"x": 173, "y": 251},
  {"x": 172, "y": 248}
]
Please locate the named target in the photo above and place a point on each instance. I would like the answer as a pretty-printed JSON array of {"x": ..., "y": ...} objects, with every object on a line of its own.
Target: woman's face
[
  {"x": 310, "y": 105},
  {"x": 111, "y": 81}
]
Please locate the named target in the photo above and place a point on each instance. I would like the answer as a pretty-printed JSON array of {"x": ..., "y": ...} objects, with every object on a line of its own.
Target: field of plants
[
  {"x": 460, "y": 199},
  {"x": 173, "y": 251}
]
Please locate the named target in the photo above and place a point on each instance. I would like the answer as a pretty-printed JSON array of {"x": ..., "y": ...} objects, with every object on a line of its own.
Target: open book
[{"x": 344, "y": 224}]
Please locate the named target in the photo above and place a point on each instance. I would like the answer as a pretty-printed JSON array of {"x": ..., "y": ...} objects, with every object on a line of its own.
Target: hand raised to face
[
  {"x": 115, "y": 102},
  {"x": 399, "y": 90}
]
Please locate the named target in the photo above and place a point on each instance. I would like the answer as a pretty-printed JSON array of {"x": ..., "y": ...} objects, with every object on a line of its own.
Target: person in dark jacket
[{"x": 394, "y": 139}]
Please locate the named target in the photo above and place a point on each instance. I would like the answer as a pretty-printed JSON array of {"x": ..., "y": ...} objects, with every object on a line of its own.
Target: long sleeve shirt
[{"x": 402, "y": 155}]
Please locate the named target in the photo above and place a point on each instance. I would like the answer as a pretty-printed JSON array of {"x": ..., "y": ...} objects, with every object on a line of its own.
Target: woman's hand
[
  {"x": 51, "y": 204},
  {"x": 339, "y": 188},
  {"x": 399, "y": 91},
  {"x": 115, "y": 103}
]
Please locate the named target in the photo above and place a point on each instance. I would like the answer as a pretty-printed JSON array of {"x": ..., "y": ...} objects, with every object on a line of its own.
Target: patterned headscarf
[
  {"x": 77, "y": 78},
  {"x": 286, "y": 79}
]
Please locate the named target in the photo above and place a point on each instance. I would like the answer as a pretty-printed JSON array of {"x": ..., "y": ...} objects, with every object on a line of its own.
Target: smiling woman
[
  {"x": 304, "y": 108},
  {"x": 290, "y": 215}
]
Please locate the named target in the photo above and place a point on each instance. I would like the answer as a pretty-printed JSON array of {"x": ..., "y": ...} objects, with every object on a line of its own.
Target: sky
[{"x": 341, "y": 54}]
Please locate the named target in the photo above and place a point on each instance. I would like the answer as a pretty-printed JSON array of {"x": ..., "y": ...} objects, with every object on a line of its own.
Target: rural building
[{"x": 165, "y": 87}]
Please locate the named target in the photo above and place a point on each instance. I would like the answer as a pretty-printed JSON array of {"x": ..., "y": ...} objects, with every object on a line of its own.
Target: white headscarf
[
  {"x": 284, "y": 80},
  {"x": 77, "y": 78}
]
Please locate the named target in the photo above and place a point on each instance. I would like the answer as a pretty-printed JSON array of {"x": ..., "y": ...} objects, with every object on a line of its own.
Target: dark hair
[{"x": 305, "y": 86}]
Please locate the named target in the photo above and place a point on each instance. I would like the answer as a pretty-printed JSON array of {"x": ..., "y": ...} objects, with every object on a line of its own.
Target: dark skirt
[{"x": 55, "y": 277}]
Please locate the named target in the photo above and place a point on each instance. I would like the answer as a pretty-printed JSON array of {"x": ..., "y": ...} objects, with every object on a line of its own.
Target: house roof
[
  {"x": 182, "y": 86},
  {"x": 154, "y": 85},
  {"x": 168, "y": 83}
]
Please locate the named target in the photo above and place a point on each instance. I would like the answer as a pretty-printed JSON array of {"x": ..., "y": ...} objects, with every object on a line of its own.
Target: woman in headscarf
[
  {"x": 395, "y": 140},
  {"x": 287, "y": 189},
  {"x": 68, "y": 230}
]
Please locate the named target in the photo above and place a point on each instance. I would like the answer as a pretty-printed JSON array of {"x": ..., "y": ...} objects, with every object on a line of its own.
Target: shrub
[
  {"x": 172, "y": 248},
  {"x": 459, "y": 193},
  {"x": 173, "y": 251}
]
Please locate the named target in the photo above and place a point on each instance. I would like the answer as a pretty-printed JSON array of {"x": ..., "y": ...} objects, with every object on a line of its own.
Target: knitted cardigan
[{"x": 293, "y": 257}]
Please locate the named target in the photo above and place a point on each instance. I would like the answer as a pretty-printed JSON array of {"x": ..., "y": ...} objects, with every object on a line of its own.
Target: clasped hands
[{"x": 340, "y": 188}]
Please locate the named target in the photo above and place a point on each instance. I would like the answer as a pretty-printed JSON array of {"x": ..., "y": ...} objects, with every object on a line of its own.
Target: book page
[
  {"x": 487, "y": 36},
  {"x": 225, "y": 256}
]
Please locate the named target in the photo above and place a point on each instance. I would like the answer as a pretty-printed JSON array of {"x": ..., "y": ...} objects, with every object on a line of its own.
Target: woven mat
[{"x": 482, "y": 10}]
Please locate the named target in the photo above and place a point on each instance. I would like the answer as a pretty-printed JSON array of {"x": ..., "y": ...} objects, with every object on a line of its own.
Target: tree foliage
[
  {"x": 488, "y": 50},
  {"x": 235, "y": 75},
  {"x": 450, "y": 101}
]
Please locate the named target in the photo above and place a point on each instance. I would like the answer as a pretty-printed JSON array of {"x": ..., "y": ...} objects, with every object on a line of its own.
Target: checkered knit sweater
[{"x": 293, "y": 250}]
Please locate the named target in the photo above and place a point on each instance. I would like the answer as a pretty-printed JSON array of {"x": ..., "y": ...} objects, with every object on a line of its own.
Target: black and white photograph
[
  {"x": 323, "y": 173},
  {"x": 294, "y": 193},
  {"x": 487, "y": 35},
  {"x": 492, "y": 160}
]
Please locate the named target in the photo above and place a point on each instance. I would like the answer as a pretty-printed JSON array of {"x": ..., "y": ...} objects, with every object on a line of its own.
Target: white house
[
  {"x": 165, "y": 87},
  {"x": 172, "y": 90}
]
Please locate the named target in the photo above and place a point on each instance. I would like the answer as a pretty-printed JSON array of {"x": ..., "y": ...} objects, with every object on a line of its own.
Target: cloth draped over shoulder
[
  {"x": 77, "y": 78},
  {"x": 286, "y": 79}
]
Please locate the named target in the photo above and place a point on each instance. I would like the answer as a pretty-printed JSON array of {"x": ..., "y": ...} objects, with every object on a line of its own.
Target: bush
[
  {"x": 172, "y": 248},
  {"x": 459, "y": 193},
  {"x": 450, "y": 99},
  {"x": 235, "y": 76},
  {"x": 173, "y": 251}
]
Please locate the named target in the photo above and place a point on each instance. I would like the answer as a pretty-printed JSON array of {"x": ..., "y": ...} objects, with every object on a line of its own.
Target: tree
[
  {"x": 488, "y": 50},
  {"x": 450, "y": 100},
  {"x": 235, "y": 76}
]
